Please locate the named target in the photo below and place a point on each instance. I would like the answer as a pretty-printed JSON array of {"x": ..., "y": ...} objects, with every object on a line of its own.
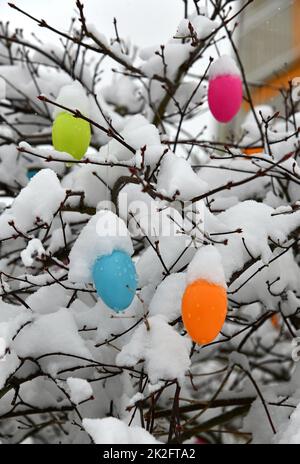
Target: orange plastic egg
[
  {"x": 275, "y": 321},
  {"x": 204, "y": 310},
  {"x": 253, "y": 151}
]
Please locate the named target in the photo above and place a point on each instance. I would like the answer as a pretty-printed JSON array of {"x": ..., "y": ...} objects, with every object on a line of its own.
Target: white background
[{"x": 146, "y": 22}]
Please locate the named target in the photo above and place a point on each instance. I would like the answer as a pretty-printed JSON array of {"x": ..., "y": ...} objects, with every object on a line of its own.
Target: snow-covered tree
[{"x": 210, "y": 221}]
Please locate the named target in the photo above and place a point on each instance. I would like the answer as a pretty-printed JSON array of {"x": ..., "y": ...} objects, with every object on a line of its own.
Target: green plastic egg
[{"x": 71, "y": 135}]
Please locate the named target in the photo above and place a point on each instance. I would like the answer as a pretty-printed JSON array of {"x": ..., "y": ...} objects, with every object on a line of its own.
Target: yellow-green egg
[{"x": 71, "y": 135}]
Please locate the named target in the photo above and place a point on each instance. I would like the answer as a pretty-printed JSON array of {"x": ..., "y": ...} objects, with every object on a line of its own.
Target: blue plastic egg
[
  {"x": 31, "y": 173},
  {"x": 115, "y": 280}
]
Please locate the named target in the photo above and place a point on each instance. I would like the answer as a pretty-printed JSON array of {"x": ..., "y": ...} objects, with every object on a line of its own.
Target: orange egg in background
[
  {"x": 275, "y": 320},
  {"x": 204, "y": 310},
  {"x": 253, "y": 151}
]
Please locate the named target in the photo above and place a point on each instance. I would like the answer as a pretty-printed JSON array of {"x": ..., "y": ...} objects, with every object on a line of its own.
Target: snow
[
  {"x": 11, "y": 312},
  {"x": 238, "y": 359},
  {"x": 45, "y": 155},
  {"x": 284, "y": 271},
  {"x": 86, "y": 179},
  {"x": 2, "y": 347},
  {"x": 168, "y": 296},
  {"x": 177, "y": 178},
  {"x": 282, "y": 148},
  {"x": 80, "y": 390},
  {"x": 88, "y": 317},
  {"x": 48, "y": 299},
  {"x": 257, "y": 422},
  {"x": 41, "y": 279},
  {"x": 2, "y": 88},
  {"x": 72, "y": 96},
  {"x": 224, "y": 66},
  {"x": 44, "y": 393},
  {"x": 154, "y": 221},
  {"x": 34, "y": 248},
  {"x": 135, "y": 399},
  {"x": 28, "y": 441},
  {"x": 8, "y": 366},
  {"x": 289, "y": 433},
  {"x": 104, "y": 44},
  {"x": 49, "y": 80},
  {"x": 103, "y": 234},
  {"x": 132, "y": 200},
  {"x": 33, "y": 202},
  {"x": 257, "y": 225},
  {"x": 165, "y": 352},
  {"x": 207, "y": 265},
  {"x": 188, "y": 92},
  {"x": 150, "y": 268},
  {"x": 153, "y": 388},
  {"x": 249, "y": 124},
  {"x": 175, "y": 54},
  {"x": 154, "y": 218},
  {"x": 202, "y": 27},
  {"x": 292, "y": 304},
  {"x": 100, "y": 37},
  {"x": 261, "y": 111},
  {"x": 58, "y": 238},
  {"x": 220, "y": 172},
  {"x": 151, "y": 156},
  {"x": 52, "y": 333},
  {"x": 137, "y": 133},
  {"x": 110, "y": 431},
  {"x": 124, "y": 93},
  {"x": 12, "y": 320}
]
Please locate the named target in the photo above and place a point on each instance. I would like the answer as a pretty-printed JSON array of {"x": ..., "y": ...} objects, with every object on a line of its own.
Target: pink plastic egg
[{"x": 225, "y": 97}]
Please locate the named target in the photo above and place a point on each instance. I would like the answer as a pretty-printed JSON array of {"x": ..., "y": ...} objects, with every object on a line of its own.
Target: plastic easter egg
[
  {"x": 115, "y": 280},
  {"x": 275, "y": 320},
  {"x": 204, "y": 309},
  {"x": 253, "y": 151},
  {"x": 71, "y": 135},
  {"x": 31, "y": 173},
  {"x": 225, "y": 97}
]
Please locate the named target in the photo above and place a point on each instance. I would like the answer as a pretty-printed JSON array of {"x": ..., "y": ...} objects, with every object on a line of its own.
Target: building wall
[
  {"x": 268, "y": 40},
  {"x": 269, "y": 45}
]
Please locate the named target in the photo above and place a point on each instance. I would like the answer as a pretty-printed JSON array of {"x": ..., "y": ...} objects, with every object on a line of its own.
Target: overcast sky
[{"x": 145, "y": 21}]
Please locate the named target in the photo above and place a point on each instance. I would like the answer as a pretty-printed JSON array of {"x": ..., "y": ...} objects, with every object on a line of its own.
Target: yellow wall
[{"x": 272, "y": 86}]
